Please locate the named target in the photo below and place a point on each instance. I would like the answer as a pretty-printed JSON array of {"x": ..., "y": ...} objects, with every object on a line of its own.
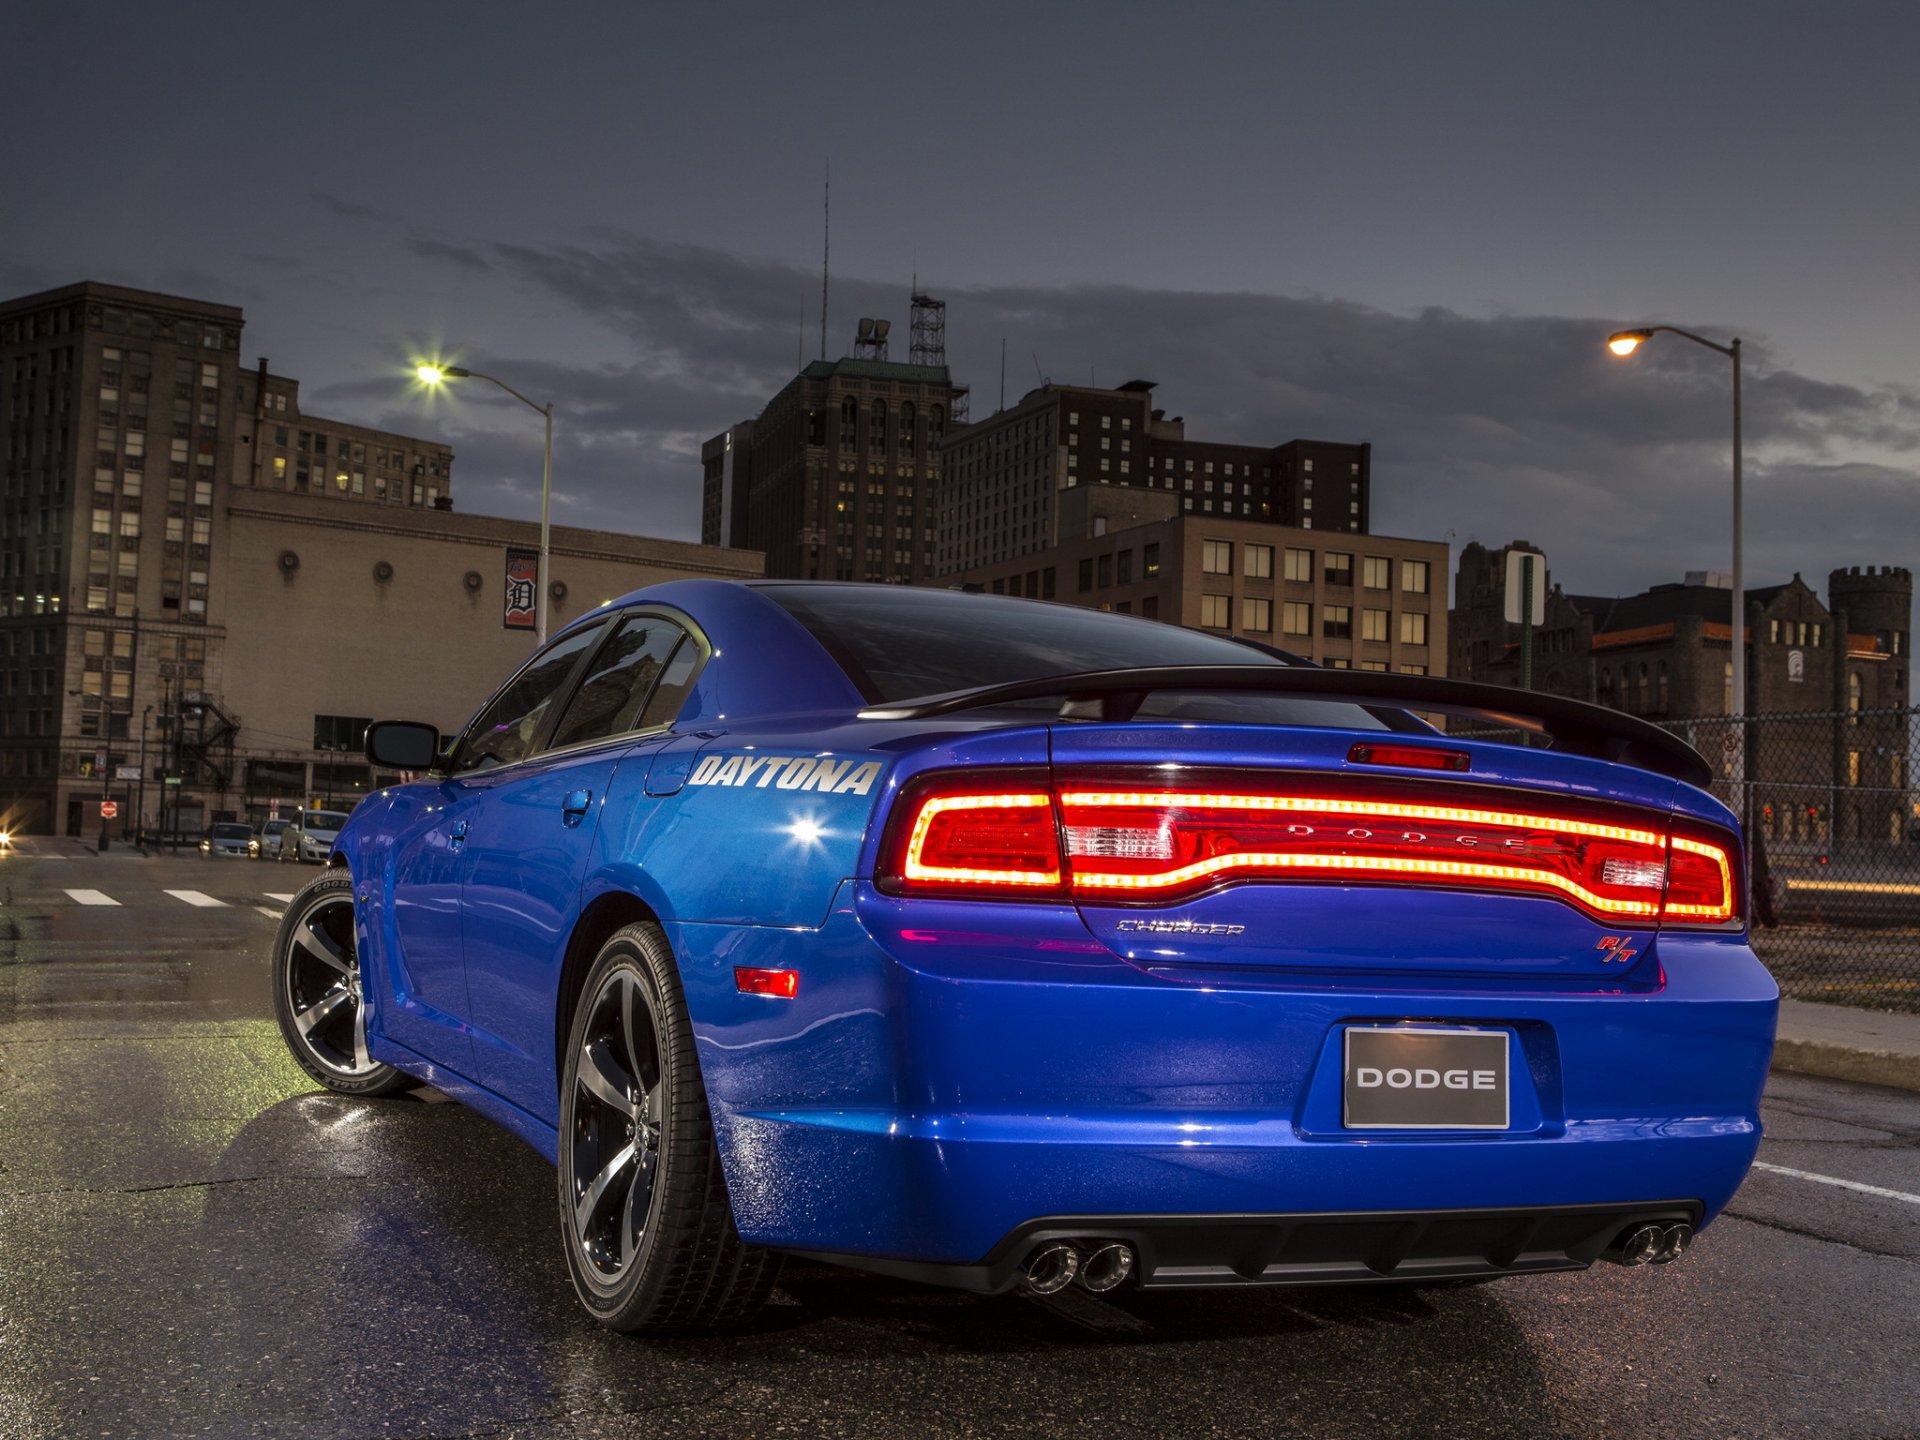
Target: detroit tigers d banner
[{"x": 522, "y": 595}]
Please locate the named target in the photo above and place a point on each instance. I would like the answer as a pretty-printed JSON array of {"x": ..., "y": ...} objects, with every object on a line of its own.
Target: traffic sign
[
  {"x": 109, "y": 809},
  {"x": 1526, "y": 597}
]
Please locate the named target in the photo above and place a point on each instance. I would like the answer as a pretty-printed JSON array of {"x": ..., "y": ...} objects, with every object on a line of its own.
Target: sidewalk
[{"x": 1839, "y": 1043}]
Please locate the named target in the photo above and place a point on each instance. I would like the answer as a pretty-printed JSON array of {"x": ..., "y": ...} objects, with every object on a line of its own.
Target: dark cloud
[
  {"x": 1483, "y": 427},
  {"x": 348, "y": 209},
  {"x": 455, "y": 254}
]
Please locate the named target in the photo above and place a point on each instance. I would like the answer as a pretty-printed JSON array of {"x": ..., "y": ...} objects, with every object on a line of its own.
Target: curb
[{"x": 1847, "y": 1062}]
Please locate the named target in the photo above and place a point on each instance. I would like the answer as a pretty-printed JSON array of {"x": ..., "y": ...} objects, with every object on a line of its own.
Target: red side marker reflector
[
  {"x": 783, "y": 984},
  {"x": 1412, "y": 757}
]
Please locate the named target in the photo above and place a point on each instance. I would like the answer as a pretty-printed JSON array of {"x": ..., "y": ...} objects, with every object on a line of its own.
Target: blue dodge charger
[{"x": 994, "y": 943}]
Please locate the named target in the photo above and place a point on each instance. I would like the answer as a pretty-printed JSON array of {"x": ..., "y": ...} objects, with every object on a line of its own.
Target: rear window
[{"x": 898, "y": 643}]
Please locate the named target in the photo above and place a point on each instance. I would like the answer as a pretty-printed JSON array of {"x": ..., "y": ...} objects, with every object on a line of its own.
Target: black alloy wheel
[
  {"x": 648, "y": 1232},
  {"x": 317, "y": 994}
]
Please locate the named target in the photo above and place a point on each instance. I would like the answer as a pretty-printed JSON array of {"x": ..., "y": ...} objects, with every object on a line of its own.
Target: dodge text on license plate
[{"x": 1403, "y": 1077}]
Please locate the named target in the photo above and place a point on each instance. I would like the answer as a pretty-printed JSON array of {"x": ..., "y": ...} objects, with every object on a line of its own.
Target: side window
[
  {"x": 664, "y": 705},
  {"x": 613, "y": 697},
  {"x": 504, "y": 732}
]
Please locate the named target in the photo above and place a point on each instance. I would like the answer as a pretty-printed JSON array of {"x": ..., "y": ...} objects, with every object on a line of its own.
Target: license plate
[{"x": 1400, "y": 1077}]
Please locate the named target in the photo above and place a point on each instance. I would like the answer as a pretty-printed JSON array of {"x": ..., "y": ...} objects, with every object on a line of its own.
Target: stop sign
[{"x": 109, "y": 809}]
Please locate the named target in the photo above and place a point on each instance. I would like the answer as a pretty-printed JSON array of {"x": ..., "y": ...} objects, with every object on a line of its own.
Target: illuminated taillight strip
[
  {"x": 1446, "y": 814},
  {"x": 1384, "y": 865},
  {"x": 914, "y": 868},
  {"x": 1706, "y": 914}
]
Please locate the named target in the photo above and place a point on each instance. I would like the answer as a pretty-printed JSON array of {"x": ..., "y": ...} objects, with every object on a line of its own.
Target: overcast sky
[{"x": 1412, "y": 224}]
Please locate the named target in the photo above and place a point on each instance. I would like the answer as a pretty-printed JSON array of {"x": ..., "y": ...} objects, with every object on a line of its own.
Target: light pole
[
  {"x": 437, "y": 374},
  {"x": 140, "y": 806},
  {"x": 1625, "y": 342}
]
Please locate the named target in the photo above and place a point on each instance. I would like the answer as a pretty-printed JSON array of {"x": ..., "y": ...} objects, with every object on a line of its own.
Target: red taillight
[
  {"x": 1410, "y": 757},
  {"x": 965, "y": 838},
  {"x": 781, "y": 984},
  {"x": 1701, "y": 889},
  {"x": 980, "y": 835}
]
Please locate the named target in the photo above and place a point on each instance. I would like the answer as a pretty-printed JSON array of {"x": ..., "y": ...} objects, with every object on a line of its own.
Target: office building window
[
  {"x": 1300, "y": 565},
  {"x": 1216, "y": 557},
  {"x": 1376, "y": 572},
  {"x": 1339, "y": 568},
  {"x": 1413, "y": 628},
  {"x": 1216, "y": 611},
  {"x": 1296, "y": 618},
  {"x": 1414, "y": 576},
  {"x": 1256, "y": 615},
  {"x": 1373, "y": 625},
  {"x": 1336, "y": 622},
  {"x": 1259, "y": 561}
]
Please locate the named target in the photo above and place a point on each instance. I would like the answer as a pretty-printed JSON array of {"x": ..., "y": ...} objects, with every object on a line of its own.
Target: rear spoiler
[{"x": 1573, "y": 726}]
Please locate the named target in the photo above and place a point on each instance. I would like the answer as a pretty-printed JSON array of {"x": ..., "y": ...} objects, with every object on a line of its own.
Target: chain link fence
[{"x": 1833, "y": 827}]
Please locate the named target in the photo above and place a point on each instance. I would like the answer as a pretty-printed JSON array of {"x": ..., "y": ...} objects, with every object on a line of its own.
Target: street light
[
  {"x": 435, "y": 375},
  {"x": 1623, "y": 343}
]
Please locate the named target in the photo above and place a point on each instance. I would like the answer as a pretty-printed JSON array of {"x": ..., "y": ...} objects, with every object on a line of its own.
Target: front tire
[
  {"x": 316, "y": 991},
  {"x": 644, "y": 1217}
]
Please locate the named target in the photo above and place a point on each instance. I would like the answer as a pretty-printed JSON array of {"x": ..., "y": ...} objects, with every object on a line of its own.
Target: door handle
[
  {"x": 574, "y": 807},
  {"x": 457, "y": 835}
]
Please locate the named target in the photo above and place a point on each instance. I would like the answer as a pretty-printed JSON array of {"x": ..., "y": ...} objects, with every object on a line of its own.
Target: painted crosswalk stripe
[
  {"x": 194, "y": 897},
  {"x": 270, "y": 914},
  {"x": 283, "y": 899},
  {"x": 91, "y": 897}
]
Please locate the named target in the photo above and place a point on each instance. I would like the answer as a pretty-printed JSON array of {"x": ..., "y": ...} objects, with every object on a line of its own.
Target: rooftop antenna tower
[
  {"x": 826, "y": 251},
  {"x": 929, "y": 331}
]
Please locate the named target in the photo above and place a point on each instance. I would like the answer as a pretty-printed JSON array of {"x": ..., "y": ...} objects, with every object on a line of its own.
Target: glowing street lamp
[
  {"x": 1623, "y": 343},
  {"x": 434, "y": 375}
]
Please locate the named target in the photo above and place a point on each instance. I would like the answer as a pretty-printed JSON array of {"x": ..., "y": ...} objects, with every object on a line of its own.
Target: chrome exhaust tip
[
  {"x": 1674, "y": 1241},
  {"x": 1051, "y": 1268},
  {"x": 1106, "y": 1267},
  {"x": 1641, "y": 1245}
]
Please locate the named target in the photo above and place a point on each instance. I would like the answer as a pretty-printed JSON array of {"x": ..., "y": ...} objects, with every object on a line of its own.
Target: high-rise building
[
  {"x": 197, "y": 576},
  {"x": 726, "y": 475},
  {"x": 840, "y": 469},
  {"x": 1003, "y": 475}
]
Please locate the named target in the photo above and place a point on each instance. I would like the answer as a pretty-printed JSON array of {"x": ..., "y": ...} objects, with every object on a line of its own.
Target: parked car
[
  {"x": 310, "y": 834},
  {"x": 995, "y": 943},
  {"x": 270, "y": 834},
  {"x": 230, "y": 838}
]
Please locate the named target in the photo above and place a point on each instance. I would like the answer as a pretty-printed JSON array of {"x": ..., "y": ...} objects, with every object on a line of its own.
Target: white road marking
[
  {"x": 194, "y": 897},
  {"x": 1884, "y": 1194},
  {"x": 270, "y": 914},
  {"x": 283, "y": 899},
  {"x": 91, "y": 897}
]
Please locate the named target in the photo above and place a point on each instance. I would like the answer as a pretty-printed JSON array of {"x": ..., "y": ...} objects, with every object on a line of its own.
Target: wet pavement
[{"x": 194, "y": 1242}]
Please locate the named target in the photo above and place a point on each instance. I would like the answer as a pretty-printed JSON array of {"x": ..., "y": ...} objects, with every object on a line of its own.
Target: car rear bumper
[
  {"x": 1186, "y": 1252},
  {"x": 935, "y": 1093}
]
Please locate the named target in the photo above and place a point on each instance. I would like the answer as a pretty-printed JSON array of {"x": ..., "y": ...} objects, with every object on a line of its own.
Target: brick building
[
  {"x": 1667, "y": 654},
  {"x": 1343, "y": 600}
]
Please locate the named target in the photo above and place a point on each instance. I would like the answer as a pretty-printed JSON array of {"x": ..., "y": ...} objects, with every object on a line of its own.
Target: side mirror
[{"x": 402, "y": 745}]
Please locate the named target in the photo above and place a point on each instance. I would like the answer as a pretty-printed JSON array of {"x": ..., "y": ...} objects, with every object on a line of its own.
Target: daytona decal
[{"x": 787, "y": 772}]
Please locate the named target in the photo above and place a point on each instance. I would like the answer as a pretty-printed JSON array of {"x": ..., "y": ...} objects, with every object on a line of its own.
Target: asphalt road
[{"x": 194, "y": 1242}]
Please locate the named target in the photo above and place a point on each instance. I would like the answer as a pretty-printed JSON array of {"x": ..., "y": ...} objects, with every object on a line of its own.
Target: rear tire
[{"x": 644, "y": 1217}]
